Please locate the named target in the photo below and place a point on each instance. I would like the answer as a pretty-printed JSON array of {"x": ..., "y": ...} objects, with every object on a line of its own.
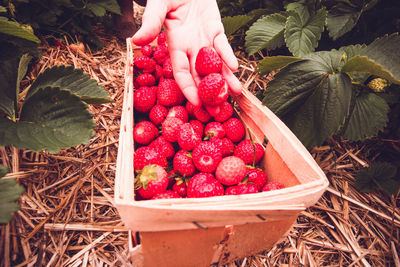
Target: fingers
[
  {"x": 233, "y": 82},
  {"x": 152, "y": 21},
  {"x": 223, "y": 48}
]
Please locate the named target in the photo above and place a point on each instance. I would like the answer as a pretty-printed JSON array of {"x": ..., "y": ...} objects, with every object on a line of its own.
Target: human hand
[{"x": 189, "y": 26}]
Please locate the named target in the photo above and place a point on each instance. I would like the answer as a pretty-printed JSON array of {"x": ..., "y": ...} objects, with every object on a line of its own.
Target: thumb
[{"x": 152, "y": 21}]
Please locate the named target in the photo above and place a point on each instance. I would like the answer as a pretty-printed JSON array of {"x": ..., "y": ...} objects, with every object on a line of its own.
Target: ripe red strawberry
[
  {"x": 257, "y": 177},
  {"x": 170, "y": 128},
  {"x": 231, "y": 170},
  {"x": 188, "y": 138},
  {"x": 225, "y": 112},
  {"x": 152, "y": 180},
  {"x": 226, "y": 145},
  {"x": 167, "y": 69},
  {"x": 157, "y": 114},
  {"x": 206, "y": 156},
  {"x": 146, "y": 50},
  {"x": 245, "y": 151},
  {"x": 146, "y": 155},
  {"x": 144, "y": 99},
  {"x": 145, "y": 79},
  {"x": 166, "y": 195},
  {"x": 160, "y": 53},
  {"x": 213, "y": 89},
  {"x": 207, "y": 61},
  {"x": 162, "y": 38},
  {"x": 183, "y": 163},
  {"x": 234, "y": 129},
  {"x": 272, "y": 186},
  {"x": 214, "y": 128},
  {"x": 178, "y": 112},
  {"x": 180, "y": 186},
  {"x": 198, "y": 127},
  {"x": 204, "y": 185},
  {"x": 241, "y": 189},
  {"x": 163, "y": 146},
  {"x": 172, "y": 175},
  {"x": 169, "y": 94},
  {"x": 144, "y": 63},
  {"x": 201, "y": 114},
  {"x": 189, "y": 108},
  {"x": 158, "y": 72},
  {"x": 144, "y": 132}
]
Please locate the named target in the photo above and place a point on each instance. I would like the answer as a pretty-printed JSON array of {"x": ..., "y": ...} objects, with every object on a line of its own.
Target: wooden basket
[{"x": 226, "y": 227}]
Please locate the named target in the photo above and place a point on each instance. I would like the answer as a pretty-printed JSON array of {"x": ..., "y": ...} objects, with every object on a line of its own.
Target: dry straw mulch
[{"x": 67, "y": 216}]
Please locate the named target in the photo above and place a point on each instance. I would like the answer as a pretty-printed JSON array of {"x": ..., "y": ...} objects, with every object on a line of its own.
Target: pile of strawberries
[{"x": 181, "y": 150}]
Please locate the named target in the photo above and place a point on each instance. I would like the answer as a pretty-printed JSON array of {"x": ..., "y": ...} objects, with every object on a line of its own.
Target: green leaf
[
  {"x": 342, "y": 17},
  {"x": 311, "y": 97},
  {"x": 269, "y": 64},
  {"x": 97, "y": 10},
  {"x": 378, "y": 175},
  {"x": 10, "y": 191},
  {"x": 15, "y": 29},
  {"x": 69, "y": 78},
  {"x": 369, "y": 116},
  {"x": 3, "y": 9},
  {"x": 352, "y": 50},
  {"x": 51, "y": 119},
  {"x": 266, "y": 32},
  {"x": 3, "y": 171},
  {"x": 110, "y": 5},
  {"x": 302, "y": 35},
  {"x": 232, "y": 24}
]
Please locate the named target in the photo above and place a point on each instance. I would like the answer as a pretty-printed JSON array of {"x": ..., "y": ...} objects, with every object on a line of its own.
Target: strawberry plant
[{"x": 10, "y": 191}]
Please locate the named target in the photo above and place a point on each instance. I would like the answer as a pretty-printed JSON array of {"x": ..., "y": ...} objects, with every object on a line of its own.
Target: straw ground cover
[{"x": 67, "y": 216}]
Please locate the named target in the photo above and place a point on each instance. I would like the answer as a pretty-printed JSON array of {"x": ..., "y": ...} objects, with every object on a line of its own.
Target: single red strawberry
[
  {"x": 231, "y": 170},
  {"x": 163, "y": 146},
  {"x": 183, "y": 163},
  {"x": 207, "y": 61},
  {"x": 172, "y": 175},
  {"x": 157, "y": 114},
  {"x": 146, "y": 50},
  {"x": 213, "y": 89},
  {"x": 145, "y": 79},
  {"x": 167, "y": 69},
  {"x": 214, "y": 128},
  {"x": 241, "y": 189},
  {"x": 245, "y": 151},
  {"x": 226, "y": 145},
  {"x": 225, "y": 112},
  {"x": 144, "y": 99},
  {"x": 178, "y": 112},
  {"x": 152, "y": 180},
  {"x": 272, "y": 186},
  {"x": 144, "y": 132},
  {"x": 146, "y": 155},
  {"x": 189, "y": 108},
  {"x": 180, "y": 186},
  {"x": 201, "y": 114},
  {"x": 198, "y": 127},
  {"x": 256, "y": 176},
  {"x": 234, "y": 129},
  {"x": 204, "y": 185},
  {"x": 206, "y": 156},
  {"x": 161, "y": 38},
  {"x": 166, "y": 195},
  {"x": 169, "y": 94},
  {"x": 158, "y": 72},
  {"x": 144, "y": 63},
  {"x": 170, "y": 128},
  {"x": 188, "y": 138},
  {"x": 160, "y": 53}
]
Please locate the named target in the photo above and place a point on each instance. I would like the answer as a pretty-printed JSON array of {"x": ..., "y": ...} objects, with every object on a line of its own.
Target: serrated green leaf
[
  {"x": 352, "y": 50},
  {"x": 10, "y": 191},
  {"x": 232, "y": 24},
  {"x": 269, "y": 64},
  {"x": 15, "y": 29},
  {"x": 311, "y": 98},
  {"x": 302, "y": 36},
  {"x": 51, "y": 119},
  {"x": 97, "y": 10},
  {"x": 342, "y": 18},
  {"x": 69, "y": 78},
  {"x": 369, "y": 116},
  {"x": 378, "y": 174},
  {"x": 266, "y": 32},
  {"x": 8, "y": 81}
]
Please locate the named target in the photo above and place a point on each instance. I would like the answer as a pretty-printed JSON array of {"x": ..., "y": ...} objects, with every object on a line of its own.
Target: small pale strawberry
[
  {"x": 231, "y": 170},
  {"x": 157, "y": 114},
  {"x": 188, "y": 138},
  {"x": 249, "y": 153},
  {"x": 144, "y": 132},
  {"x": 207, "y": 61},
  {"x": 144, "y": 99},
  {"x": 201, "y": 114},
  {"x": 272, "y": 186},
  {"x": 214, "y": 129},
  {"x": 146, "y": 155},
  {"x": 206, "y": 156},
  {"x": 225, "y": 112},
  {"x": 241, "y": 189},
  {"x": 152, "y": 180},
  {"x": 213, "y": 89},
  {"x": 170, "y": 128},
  {"x": 257, "y": 176},
  {"x": 169, "y": 94},
  {"x": 163, "y": 146},
  {"x": 166, "y": 195},
  {"x": 145, "y": 79},
  {"x": 178, "y": 112},
  {"x": 234, "y": 129},
  {"x": 146, "y": 50},
  {"x": 183, "y": 163},
  {"x": 204, "y": 185},
  {"x": 144, "y": 63}
]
